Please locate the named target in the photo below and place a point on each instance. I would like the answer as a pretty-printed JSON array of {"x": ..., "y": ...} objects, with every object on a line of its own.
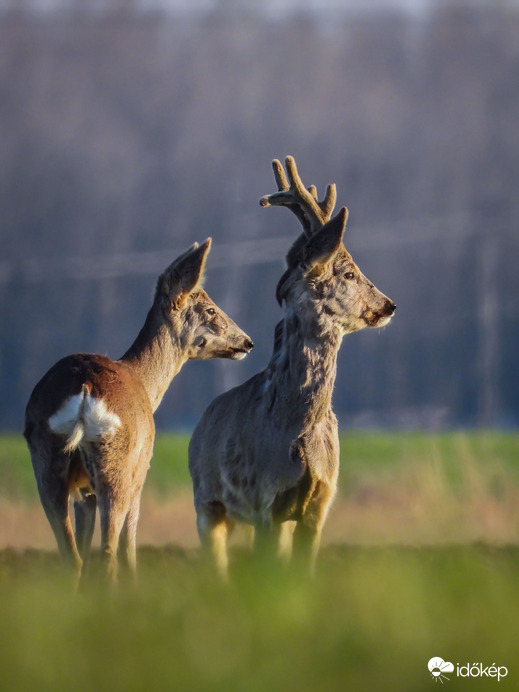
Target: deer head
[
  {"x": 322, "y": 277},
  {"x": 207, "y": 332}
]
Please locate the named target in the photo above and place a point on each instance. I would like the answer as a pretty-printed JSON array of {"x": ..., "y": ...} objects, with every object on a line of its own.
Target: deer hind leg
[
  {"x": 247, "y": 531},
  {"x": 213, "y": 528},
  {"x": 112, "y": 515},
  {"x": 85, "y": 519},
  {"x": 54, "y": 496},
  {"x": 272, "y": 542},
  {"x": 128, "y": 540},
  {"x": 265, "y": 536},
  {"x": 285, "y": 541}
]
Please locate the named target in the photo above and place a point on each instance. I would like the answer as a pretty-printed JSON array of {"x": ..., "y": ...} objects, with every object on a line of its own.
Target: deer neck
[
  {"x": 302, "y": 370},
  {"x": 157, "y": 356}
]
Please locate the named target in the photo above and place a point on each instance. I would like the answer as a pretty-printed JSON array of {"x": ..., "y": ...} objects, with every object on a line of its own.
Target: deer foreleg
[
  {"x": 213, "y": 528},
  {"x": 307, "y": 535}
]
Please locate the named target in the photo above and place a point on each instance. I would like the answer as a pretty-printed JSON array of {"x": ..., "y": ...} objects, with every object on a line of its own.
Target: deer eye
[
  {"x": 349, "y": 276},
  {"x": 211, "y": 311}
]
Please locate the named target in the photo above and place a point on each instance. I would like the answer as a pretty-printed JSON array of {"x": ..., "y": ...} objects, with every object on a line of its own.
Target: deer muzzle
[{"x": 240, "y": 351}]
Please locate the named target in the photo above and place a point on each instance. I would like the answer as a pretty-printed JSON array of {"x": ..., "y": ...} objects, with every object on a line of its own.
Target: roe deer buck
[
  {"x": 89, "y": 421},
  {"x": 267, "y": 452}
]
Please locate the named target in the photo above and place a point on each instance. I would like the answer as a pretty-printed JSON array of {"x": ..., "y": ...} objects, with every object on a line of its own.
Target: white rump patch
[
  {"x": 65, "y": 418},
  {"x": 89, "y": 413}
]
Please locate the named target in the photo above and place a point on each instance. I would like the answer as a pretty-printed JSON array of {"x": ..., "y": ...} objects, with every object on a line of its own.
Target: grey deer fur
[
  {"x": 266, "y": 453},
  {"x": 89, "y": 421}
]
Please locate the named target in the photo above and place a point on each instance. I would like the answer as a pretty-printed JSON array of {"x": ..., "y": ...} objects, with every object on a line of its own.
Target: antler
[{"x": 301, "y": 200}]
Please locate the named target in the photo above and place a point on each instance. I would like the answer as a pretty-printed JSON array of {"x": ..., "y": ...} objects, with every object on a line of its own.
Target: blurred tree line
[{"x": 126, "y": 135}]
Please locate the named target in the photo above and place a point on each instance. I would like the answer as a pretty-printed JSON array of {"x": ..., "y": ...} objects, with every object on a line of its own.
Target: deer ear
[
  {"x": 185, "y": 274},
  {"x": 323, "y": 245}
]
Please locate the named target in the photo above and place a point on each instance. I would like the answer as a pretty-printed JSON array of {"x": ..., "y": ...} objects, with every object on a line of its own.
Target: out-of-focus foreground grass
[{"x": 370, "y": 620}]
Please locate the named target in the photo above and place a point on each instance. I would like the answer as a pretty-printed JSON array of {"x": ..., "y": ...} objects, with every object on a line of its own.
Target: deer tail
[{"x": 78, "y": 431}]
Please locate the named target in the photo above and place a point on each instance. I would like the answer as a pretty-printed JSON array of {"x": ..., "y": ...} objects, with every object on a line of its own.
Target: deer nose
[
  {"x": 249, "y": 344},
  {"x": 390, "y": 308}
]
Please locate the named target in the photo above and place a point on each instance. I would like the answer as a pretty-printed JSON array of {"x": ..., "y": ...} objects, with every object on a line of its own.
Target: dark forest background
[{"x": 127, "y": 133}]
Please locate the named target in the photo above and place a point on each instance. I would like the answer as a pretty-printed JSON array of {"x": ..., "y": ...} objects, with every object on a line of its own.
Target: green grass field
[
  {"x": 370, "y": 620},
  {"x": 364, "y": 456}
]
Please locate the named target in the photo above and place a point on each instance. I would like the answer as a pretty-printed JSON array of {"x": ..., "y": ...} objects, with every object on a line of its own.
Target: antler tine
[
  {"x": 279, "y": 175},
  {"x": 300, "y": 200},
  {"x": 313, "y": 191},
  {"x": 304, "y": 197},
  {"x": 328, "y": 203},
  {"x": 284, "y": 197}
]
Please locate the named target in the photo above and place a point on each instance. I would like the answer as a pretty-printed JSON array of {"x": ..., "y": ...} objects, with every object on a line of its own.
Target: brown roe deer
[
  {"x": 266, "y": 453},
  {"x": 89, "y": 421}
]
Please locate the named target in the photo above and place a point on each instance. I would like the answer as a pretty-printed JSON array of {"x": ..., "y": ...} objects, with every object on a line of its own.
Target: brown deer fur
[{"x": 89, "y": 421}]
